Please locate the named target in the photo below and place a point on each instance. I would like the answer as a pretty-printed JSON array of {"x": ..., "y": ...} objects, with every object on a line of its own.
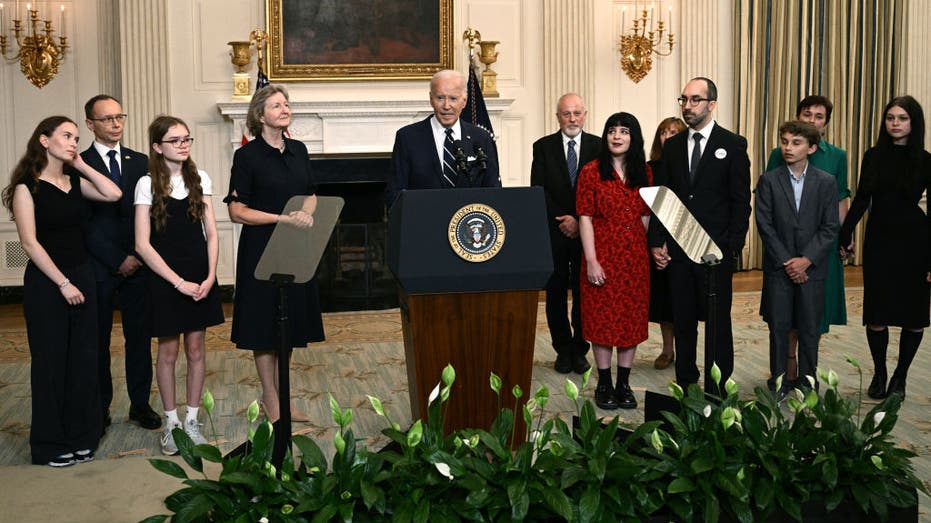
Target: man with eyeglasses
[
  {"x": 557, "y": 160},
  {"x": 709, "y": 170},
  {"x": 121, "y": 277}
]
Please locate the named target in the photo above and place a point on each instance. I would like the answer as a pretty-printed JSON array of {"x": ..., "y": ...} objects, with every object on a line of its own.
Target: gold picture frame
[{"x": 327, "y": 40}]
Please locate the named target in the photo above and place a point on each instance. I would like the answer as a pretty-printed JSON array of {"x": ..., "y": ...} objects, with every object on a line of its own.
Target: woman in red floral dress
[{"x": 616, "y": 266}]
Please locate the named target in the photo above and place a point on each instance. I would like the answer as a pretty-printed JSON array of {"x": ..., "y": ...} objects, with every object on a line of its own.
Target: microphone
[
  {"x": 462, "y": 161},
  {"x": 481, "y": 157}
]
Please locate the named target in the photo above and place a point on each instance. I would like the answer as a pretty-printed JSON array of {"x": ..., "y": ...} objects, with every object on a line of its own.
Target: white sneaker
[
  {"x": 168, "y": 440},
  {"x": 192, "y": 429}
]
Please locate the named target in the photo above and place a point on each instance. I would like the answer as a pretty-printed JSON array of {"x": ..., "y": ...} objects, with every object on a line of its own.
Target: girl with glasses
[{"x": 176, "y": 236}]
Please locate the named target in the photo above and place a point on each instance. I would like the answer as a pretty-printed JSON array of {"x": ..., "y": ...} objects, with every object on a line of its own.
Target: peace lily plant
[{"x": 725, "y": 458}]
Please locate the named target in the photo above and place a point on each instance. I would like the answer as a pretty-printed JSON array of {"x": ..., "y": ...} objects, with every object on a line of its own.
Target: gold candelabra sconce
[
  {"x": 487, "y": 55},
  {"x": 638, "y": 46},
  {"x": 241, "y": 57},
  {"x": 37, "y": 52}
]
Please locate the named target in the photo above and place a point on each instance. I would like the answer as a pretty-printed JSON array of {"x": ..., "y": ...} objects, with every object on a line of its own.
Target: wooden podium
[{"x": 480, "y": 315}]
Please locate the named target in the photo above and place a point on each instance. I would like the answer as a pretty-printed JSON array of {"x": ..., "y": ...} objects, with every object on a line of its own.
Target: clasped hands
[
  {"x": 299, "y": 218},
  {"x": 795, "y": 268},
  {"x": 194, "y": 290}
]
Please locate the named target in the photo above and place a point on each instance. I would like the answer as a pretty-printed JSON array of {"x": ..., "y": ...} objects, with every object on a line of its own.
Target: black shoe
[
  {"x": 83, "y": 456},
  {"x": 877, "y": 388},
  {"x": 625, "y": 397},
  {"x": 563, "y": 363},
  {"x": 604, "y": 397},
  {"x": 896, "y": 386},
  {"x": 145, "y": 416},
  {"x": 65, "y": 460},
  {"x": 579, "y": 363}
]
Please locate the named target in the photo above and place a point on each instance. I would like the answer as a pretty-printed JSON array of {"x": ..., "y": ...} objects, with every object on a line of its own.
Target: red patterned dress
[{"x": 615, "y": 314}]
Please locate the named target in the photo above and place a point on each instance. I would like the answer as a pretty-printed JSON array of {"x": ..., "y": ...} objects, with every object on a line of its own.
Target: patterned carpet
[{"x": 364, "y": 354}]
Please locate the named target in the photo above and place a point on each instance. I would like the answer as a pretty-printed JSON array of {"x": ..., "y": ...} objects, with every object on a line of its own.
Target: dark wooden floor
[{"x": 11, "y": 315}]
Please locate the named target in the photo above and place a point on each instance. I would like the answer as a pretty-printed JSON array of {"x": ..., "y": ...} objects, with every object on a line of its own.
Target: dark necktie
[
  {"x": 572, "y": 162},
  {"x": 696, "y": 155},
  {"x": 449, "y": 160},
  {"x": 114, "y": 168}
]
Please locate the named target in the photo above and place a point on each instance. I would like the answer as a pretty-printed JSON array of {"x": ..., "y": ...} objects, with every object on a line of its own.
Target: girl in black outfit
[
  {"x": 176, "y": 235},
  {"x": 46, "y": 199},
  {"x": 896, "y": 254}
]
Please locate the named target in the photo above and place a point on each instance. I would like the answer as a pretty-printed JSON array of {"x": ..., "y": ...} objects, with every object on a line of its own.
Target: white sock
[
  {"x": 172, "y": 416},
  {"x": 191, "y": 414}
]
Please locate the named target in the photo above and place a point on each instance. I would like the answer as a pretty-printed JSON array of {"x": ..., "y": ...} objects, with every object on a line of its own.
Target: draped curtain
[{"x": 851, "y": 51}]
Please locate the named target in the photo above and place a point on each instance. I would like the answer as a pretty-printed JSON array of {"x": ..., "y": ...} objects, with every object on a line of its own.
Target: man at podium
[{"x": 442, "y": 151}]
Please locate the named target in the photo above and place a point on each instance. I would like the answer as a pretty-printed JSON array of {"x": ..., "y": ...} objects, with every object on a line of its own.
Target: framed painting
[{"x": 323, "y": 40}]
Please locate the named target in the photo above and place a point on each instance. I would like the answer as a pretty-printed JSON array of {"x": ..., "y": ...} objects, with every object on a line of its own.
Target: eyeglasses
[
  {"x": 693, "y": 101},
  {"x": 179, "y": 142},
  {"x": 110, "y": 119}
]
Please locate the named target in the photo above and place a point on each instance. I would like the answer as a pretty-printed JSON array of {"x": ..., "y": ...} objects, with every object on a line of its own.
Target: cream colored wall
[{"x": 189, "y": 72}]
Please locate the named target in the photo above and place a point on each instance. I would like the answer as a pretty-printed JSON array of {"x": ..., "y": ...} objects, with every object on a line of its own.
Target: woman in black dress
[
  {"x": 266, "y": 173},
  {"x": 176, "y": 236},
  {"x": 46, "y": 199},
  {"x": 660, "y": 297},
  {"x": 896, "y": 254}
]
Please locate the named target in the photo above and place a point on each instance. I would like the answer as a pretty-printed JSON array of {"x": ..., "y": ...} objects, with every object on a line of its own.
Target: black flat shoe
[
  {"x": 625, "y": 397},
  {"x": 896, "y": 386},
  {"x": 604, "y": 397},
  {"x": 145, "y": 417},
  {"x": 563, "y": 363},
  {"x": 877, "y": 388},
  {"x": 580, "y": 364}
]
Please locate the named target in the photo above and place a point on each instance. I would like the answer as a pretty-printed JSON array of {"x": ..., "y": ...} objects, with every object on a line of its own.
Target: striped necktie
[
  {"x": 572, "y": 162},
  {"x": 449, "y": 160}
]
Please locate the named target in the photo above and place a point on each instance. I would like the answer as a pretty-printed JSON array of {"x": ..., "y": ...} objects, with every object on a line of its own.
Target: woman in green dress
[{"x": 816, "y": 110}]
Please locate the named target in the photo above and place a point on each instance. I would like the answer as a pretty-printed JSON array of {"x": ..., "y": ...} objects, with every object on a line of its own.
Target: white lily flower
[
  {"x": 434, "y": 394},
  {"x": 878, "y": 417},
  {"x": 443, "y": 468},
  {"x": 706, "y": 412}
]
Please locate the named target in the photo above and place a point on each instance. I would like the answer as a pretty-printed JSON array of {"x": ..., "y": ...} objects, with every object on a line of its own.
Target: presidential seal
[{"x": 476, "y": 232}]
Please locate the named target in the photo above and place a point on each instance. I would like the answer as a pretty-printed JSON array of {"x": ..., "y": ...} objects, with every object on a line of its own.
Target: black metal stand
[
  {"x": 710, "y": 261},
  {"x": 283, "y": 424}
]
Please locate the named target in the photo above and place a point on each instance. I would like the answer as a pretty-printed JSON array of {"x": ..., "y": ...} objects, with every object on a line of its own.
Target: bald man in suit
[
  {"x": 709, "y": 170},
  {"x": 553, "y": 157}
]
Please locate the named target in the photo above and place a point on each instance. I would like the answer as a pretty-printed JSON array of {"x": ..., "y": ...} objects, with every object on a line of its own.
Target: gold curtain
[{"x": 851, "y": 51}]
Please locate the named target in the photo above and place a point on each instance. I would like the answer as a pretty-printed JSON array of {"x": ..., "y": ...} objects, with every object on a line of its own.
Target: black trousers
[
  {"x": 63, "y": 346},
  {"x": 567, "y": 259},
  {"x": 688, "y": 283},
  {"x": 131, "y": 296}
]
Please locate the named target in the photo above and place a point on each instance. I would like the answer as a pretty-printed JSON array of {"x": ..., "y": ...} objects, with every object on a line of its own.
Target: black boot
[
  {"x": 878, "y": 342},
  {"x": 908, "y": 347}
]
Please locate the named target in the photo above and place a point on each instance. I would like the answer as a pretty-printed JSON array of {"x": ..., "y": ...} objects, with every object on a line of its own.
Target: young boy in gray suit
[{"x": 796, "y": 215}]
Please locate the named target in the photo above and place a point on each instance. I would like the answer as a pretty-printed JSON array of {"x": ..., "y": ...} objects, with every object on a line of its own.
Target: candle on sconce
[
  {"x": 669, "y": 19},
  {"x": 61, "y": 21},
  {"x": 2, "y": 25},
  {"x": 623, "y": 19}
]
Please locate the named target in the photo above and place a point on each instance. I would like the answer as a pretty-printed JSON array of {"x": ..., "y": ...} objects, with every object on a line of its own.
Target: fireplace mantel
[{"x": 348, "y": 127}]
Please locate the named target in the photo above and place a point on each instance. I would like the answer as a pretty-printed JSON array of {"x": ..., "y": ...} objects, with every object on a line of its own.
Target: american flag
[{"x": 475, "y": 111}]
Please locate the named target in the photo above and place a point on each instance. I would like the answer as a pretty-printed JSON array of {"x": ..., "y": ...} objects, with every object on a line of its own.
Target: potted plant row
[{"x": 810, "y": 458}]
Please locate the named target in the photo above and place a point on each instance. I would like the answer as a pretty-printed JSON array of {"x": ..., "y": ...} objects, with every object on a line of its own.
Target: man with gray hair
[{"x": 442, "y": 151}]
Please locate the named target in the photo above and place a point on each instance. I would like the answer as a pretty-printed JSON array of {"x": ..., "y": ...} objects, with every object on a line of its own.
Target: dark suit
[
  {"x": 110, "y": 239},
  {"x": 786, "y": 233},
  {"x": 415, "y": 163},
  {"x": 719, "y": 198},
  {"x": 549, "y": 170}
]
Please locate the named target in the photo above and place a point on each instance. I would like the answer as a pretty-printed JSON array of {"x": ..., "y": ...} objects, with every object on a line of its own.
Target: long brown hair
[
  {"x": 161, "y": 177},
  {"x": 35, "y": 159}
]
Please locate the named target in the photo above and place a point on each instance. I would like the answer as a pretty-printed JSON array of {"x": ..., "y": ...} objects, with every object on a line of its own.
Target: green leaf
[
  {"x": 517, "y": 392},
  {"x": 449, "y": 375},
  {"x": 311, "y": 455},
  {"x": 186, "y": 449},
  {"x": 169, "y": 467},
  {"x": 252, "y": 413},
  {"x": 346, "y": 418},
  {"x": 542, "y": 396},
  {"x": 589, "y": 504},
  {"x": 712, "y": 509},
  {"x": 572, "y": 391},
  {"x": 557, "y": 500},
  {"x": 193, "y": 509},
  {"x": 209, "y": 453},
  {"x": 415, "y": 434},
  {"x": 716, "y": 373},
  {"x": 207, "y": 401},
  {"x": 155, "y": 519},
  {"x": 335, "y": 411},
  {"x": 519, "y": 500},
  {"x": 495, "y": 382},
  {"x": 339, "y": 443},
  {"x": 376, "y": 404},
  {"x": 679, "y": 485}
]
